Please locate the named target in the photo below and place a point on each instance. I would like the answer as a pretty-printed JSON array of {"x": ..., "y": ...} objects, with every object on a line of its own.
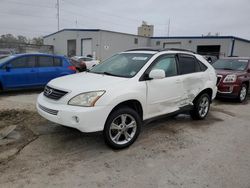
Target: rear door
[
  {"x": 193, "y": 75},
  {"x": 22, "y": 72},
  {"x": 47, "y": 69},
  {"x": 164, "y": 95}
]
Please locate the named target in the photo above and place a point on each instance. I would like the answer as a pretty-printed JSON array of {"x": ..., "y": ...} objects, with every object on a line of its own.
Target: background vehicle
[
  {"x": 32, "y": 70},
  {"x": 83, "y": 63},
  {"x": 210, "y": 58},
  {"x": 130, "y": 88},
  {"x": 6, "y": 52},
  {"x": 233, "y": 77}
]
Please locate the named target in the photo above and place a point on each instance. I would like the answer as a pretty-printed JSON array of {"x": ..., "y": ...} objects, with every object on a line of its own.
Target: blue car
[{"x": 32, "y": 70}]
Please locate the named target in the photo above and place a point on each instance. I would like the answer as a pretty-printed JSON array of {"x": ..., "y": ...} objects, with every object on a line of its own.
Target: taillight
[{"x": 73, "y": 68}]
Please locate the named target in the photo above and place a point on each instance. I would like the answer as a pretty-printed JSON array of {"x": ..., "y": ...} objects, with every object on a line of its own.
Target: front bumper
[
  {"x": 85, "y": 119},
  {"x": 228, "y": 90}
]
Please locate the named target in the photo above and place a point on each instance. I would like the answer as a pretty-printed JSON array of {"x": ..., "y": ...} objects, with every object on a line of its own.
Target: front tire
[
  {"x": 122, "y": 128},
  {"x": 243, "y": 93},
  {"x": 201, "y": 107}
]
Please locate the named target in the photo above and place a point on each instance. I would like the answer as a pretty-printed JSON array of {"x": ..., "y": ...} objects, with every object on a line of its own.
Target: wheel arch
[
  {"x": 209, "y": 91},
  {"x": 133, "y": 104},
  {"x": 247, "y": 83}
]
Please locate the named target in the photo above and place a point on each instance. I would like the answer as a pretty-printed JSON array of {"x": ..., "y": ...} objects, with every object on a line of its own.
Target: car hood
[
  {"x": 227, "y": 72},
  {"x": 84, "y": 82}
]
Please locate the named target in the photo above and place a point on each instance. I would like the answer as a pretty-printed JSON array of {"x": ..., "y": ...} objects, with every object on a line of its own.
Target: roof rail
[
  {"x": 144, "y": 49},
  {"x": 160, "y": 50},
  {"x": 178, "y": 49}
]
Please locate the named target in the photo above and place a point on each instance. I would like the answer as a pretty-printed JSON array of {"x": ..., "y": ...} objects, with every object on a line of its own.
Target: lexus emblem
[{"x": 48, "y": 91}]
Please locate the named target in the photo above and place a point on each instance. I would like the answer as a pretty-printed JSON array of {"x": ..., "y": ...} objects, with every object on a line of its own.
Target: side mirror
[
  {"x": 157, "y": 74},
  {"x": 8, "y": 67}
]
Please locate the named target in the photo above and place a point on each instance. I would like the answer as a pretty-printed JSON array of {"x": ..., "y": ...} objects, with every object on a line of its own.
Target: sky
[{"x": 33, "y": 18}]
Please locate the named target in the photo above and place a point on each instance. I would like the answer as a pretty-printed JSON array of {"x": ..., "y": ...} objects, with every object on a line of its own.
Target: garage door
[{"x": 86, "y": 47}]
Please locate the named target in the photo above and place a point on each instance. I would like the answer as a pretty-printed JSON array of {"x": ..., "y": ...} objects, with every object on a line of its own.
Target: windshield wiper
[{"x": 110, "y": 74}]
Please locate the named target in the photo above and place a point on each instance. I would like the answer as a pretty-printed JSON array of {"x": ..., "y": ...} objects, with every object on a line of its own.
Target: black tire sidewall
[{"x": 112, "y": 116}]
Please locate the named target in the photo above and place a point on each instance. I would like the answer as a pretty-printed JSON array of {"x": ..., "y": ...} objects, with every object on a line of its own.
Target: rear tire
[
  {"x": 201, "y": 107},
  {"x": 243, "y": 93},
  {"x": 122, "y": 128}
]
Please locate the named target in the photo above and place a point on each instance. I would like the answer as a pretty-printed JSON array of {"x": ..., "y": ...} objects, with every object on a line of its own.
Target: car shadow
[{"x": 21, "y": 92}]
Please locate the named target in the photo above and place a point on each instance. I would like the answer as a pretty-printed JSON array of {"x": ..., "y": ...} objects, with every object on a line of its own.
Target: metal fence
[{"x": 26, "y": 48}]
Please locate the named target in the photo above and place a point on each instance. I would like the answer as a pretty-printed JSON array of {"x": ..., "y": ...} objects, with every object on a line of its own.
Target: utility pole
[
  {"x": 58, "y": 15},
  {"x": 168, "y": 27}
]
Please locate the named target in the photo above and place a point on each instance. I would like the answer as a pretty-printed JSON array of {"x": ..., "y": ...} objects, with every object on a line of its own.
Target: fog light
[{"x": 76, "y": 119}]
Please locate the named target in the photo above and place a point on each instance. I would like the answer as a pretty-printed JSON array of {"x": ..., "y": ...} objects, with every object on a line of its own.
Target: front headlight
[
  {"x": 86, "y": 99},
  {"x": 230, "y": 78}
]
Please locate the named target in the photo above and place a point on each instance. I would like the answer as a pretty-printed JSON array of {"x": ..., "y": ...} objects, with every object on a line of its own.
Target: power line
[
  {"x": 107, "y": 13},
  {"x": 28, "y": 4}
]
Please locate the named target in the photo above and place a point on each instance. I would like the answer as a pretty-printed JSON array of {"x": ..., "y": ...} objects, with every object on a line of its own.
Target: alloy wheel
[
  {"x": 203, "y": 106},
  {"x": 123, "y": 129},
  {"x": 243, "y": 93}
]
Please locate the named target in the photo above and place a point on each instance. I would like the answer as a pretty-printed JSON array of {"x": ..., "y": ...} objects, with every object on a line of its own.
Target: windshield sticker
[
  {"x": 139, "y": 58},
  {"x": 243, "y": 60}
]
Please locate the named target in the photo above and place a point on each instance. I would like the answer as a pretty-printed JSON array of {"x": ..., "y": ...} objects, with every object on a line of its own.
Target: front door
[
  {"x": 165, "y": 95},
  {"x": 22, "y": 73}
]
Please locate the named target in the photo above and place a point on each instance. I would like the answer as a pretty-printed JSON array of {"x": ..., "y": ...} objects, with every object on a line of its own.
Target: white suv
[{"x": 128, "y": 89}]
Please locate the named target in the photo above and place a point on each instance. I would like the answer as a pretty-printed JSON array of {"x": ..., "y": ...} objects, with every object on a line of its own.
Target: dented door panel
[{"x": 164, "y": 96}]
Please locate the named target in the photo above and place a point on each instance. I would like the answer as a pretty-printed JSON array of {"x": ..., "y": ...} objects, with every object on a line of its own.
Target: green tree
[{"x": 37, "y": 41}]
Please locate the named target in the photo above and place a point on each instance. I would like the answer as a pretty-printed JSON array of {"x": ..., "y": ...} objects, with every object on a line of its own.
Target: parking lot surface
[{"x": 170, "y": 152}]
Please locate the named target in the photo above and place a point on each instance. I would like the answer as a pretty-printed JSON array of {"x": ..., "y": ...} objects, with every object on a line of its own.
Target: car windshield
[
  {"x": 3, "y": 60},
  {"x": 231, "y": 64},
  {"x": 122, "y": 65}
]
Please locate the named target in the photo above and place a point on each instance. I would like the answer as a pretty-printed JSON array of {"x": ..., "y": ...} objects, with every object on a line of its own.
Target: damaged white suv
[{"x": 128, "y": 89}]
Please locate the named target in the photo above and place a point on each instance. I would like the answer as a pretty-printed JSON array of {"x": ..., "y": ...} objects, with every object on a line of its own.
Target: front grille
[
  {"x": 52, "y": 93},
  {"x": 50, "y": 111},
  {"x": 219, "y": 77}
]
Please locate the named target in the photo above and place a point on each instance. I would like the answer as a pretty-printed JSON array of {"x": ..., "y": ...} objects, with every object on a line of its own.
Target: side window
[
  {"x": 45, "y": 61},
  {"x": 202, "y": 66},
  {"x": 188, "y": 64},
  {"x": 24, "y": 62},
  {"x": 57, "y": 62},
  {"x": 168, "y": 64}
]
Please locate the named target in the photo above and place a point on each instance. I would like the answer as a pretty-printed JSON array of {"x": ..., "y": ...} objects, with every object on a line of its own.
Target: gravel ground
[{"x": 175, "y": 152}]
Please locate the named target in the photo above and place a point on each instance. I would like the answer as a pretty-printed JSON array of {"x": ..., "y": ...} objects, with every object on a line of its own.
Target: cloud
[{"x": 187, "y": 17}]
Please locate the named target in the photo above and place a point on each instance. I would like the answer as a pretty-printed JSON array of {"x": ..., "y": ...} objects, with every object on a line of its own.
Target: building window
[
  {"x": 158, "y": 43},
  {"x": 136, "y": 41}
]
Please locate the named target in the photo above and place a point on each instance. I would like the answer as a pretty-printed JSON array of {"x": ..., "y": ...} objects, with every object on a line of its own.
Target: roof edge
[
  {"x": 94, "y": 30},
  {"x": 202, "y": 37}
]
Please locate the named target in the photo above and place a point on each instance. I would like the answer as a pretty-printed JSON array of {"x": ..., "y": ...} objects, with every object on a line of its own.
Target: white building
[
  {"x": 146, "y": 30},
  {"x": 99, "y": 43},
  {"x": 212, "y": 45},
  {"x": 102, "y": 44}
]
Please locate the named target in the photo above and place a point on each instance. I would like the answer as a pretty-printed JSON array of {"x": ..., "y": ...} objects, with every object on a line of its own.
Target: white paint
[{"x": 157, "y": 97}]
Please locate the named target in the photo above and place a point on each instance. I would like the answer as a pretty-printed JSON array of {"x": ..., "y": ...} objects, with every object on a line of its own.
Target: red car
[{"x": 233, "y": 77}]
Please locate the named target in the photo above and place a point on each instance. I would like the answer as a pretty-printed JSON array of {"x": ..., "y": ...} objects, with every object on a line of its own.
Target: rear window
[{"x": 231, "y": 64}]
